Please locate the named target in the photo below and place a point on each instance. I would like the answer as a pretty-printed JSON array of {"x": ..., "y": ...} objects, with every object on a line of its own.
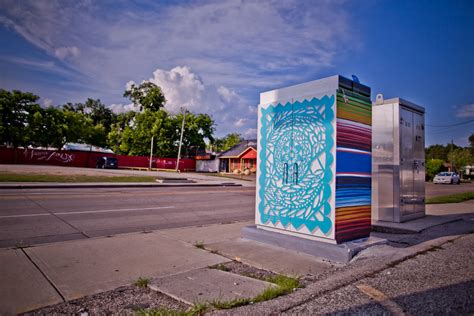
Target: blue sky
[{"x": 217, "y": 56}]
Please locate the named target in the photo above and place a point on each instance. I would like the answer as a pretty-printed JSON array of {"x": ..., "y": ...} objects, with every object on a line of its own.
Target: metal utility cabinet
[
  {"x": 314, "y": 160},
  {"x": 398, "y": 165}
]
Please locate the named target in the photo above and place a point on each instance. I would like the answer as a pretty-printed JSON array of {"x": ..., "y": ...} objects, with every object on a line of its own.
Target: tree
[
  {"x": 197, "y": 128},
  {"x": 131, "y": 134},
  {"x": 471, "y": 142},
  {"x": 15, "y": 107},
  {"x": 101, "y": 117},
  {"x": 227, "y": 142},
  {"x": 433, "y": 167},
  {"x": 148, "y": 96},
  {"x": 460, "y": 157},
  {"x": 114, "y": 138},
  {"x": 46, "y": 127},
  {"x": 439, "y": 151}
]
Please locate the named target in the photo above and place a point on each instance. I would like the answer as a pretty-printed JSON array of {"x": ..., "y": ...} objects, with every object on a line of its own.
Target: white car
[{"x": 447, "y": 177}]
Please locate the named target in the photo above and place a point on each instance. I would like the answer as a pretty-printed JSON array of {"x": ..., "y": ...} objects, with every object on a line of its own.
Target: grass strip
[
  {"x": 13, "y": 177},
  {"x": 452, "y": 198},
  {"x": 284, "y": 285},
  {"x": 142, "y": 282},
  {"x": 198, "y": 309}
]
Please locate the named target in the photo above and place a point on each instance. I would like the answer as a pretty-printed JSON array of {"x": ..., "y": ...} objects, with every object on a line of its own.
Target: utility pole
[
  {"x": 181, "y": 139},
  {"x": 452, "y": 145},
  {"x": 151, "y": 150}
]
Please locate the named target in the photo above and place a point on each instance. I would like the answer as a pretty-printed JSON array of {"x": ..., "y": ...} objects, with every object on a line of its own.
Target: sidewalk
[{"x": 47, "y": 274}]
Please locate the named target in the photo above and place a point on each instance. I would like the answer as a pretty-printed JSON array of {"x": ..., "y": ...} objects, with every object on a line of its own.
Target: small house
[{"x": 239, "y": 158}]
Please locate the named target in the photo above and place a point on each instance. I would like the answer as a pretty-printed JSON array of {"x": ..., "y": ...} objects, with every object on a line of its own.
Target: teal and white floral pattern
[{"x": 296, "y": 164}]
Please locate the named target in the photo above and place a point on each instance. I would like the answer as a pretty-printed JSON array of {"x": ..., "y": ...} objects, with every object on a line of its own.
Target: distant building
[
  {"x": 207, "y": 162},
  {"x": 239, "y": 158},
  {"x": 469, "y": 171},
  {"x": 86, "y": 147}
]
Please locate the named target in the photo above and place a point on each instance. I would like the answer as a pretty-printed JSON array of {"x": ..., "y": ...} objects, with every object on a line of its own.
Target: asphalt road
[
  {"x": 36, "y": 216},
  {"x": 30, "y": 217}
]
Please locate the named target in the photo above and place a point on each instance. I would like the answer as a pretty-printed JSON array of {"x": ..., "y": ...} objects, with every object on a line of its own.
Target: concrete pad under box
[{"x": 333, "y": 252}]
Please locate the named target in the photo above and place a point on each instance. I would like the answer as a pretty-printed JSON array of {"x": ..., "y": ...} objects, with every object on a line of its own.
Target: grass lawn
[
  {"x": 14, "y": 177},
  {"x": 452, "y": 198}
]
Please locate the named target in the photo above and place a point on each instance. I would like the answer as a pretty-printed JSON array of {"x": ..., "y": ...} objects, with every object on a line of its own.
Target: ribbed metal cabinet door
[
  {"x": 406, "y": 162},
  {"x": 419, "y": 162}
]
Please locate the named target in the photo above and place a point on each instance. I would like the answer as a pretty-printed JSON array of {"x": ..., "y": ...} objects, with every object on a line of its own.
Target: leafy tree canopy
[
  {"x": 148, "y": 96},
  {"x": 25, "y": 123},
  {"x": 460, "y": 157},
  {"x": 433, "y": 167},
  {"x": 15, "y": 107},
  {"x": 227, "y": 142}
]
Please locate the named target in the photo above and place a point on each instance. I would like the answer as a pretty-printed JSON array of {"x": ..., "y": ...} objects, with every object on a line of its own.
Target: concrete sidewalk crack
[{"x": 44, "y": 275}]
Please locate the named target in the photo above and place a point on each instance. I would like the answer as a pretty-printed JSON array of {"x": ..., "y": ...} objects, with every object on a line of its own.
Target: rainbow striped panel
[
  {"x": 353, "y": 222},
  {"x": 355, "y": 135},
  {"x": 353, "y": 167},
  {"x": 354, "y": 109}
]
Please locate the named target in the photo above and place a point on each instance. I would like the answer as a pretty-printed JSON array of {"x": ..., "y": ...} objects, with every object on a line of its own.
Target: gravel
[{"x": 125, "y": 300}]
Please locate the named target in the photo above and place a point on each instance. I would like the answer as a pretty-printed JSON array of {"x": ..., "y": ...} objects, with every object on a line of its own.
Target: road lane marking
[
  {"x": 381, "y": 298},
  {"x": 88, "y": 212}
]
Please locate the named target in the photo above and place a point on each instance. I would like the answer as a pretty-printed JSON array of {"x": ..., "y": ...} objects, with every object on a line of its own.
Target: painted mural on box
[
  {"x": 296, "y": 164},
  {"x": 353, "y": 171}
]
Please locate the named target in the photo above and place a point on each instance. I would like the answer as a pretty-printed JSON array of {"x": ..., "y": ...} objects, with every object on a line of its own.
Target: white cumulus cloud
[
  {"x": 184, "y": 88},
  {"x": 122, "y": 108}
]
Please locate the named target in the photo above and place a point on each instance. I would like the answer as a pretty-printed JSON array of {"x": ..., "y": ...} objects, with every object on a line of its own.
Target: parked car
[
  {"x": 447, "y": 177},
  {"x": 107, "y": 163}
]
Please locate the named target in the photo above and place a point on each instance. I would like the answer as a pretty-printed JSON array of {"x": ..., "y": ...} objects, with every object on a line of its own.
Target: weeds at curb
[
  {"x": 199, "y": 244},
  {"x": 230, "y": 304},
  {"x": 284, "y": 285},
  {"x": 142, "y": 282},
  {"x": 196, "y": 310},
  {"x": 220, "y": 266}
]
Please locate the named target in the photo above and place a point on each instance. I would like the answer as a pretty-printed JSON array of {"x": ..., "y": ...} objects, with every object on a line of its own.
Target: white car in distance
[{"x": 447, "y": 177}]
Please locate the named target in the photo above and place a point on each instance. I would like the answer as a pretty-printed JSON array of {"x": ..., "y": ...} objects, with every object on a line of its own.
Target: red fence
[
  {"x": 160, "y": 163},
  {"x": 74, "y": 158}
]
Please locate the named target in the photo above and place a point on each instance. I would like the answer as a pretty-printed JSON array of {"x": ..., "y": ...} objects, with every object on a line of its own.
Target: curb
[
  {"x": 120, "y": 185},
  {"x": 335, "y": 282}
]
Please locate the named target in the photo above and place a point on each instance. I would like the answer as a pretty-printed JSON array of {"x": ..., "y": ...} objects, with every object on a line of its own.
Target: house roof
[{"x": 238, "y": 149}]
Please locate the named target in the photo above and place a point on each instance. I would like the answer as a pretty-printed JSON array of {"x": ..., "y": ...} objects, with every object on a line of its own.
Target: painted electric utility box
[
  {"x": 398, "y": 178},
  {"x": 314, "y": 160}
]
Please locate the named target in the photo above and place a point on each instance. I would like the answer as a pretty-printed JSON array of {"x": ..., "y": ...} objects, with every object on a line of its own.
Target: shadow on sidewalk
[
  {"x": 455, "y": 299},
  {"x": 464, "y": 225}
]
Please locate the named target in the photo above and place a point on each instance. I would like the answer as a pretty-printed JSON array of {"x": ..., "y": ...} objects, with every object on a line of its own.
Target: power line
[{"x": 453, "y": 124}]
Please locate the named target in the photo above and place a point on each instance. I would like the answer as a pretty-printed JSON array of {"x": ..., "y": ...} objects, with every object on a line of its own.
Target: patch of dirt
[
  {"x": 246, "y": 270},
  {"x": 252, "y": 272},
  {"x": 125, "y": 300}
]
